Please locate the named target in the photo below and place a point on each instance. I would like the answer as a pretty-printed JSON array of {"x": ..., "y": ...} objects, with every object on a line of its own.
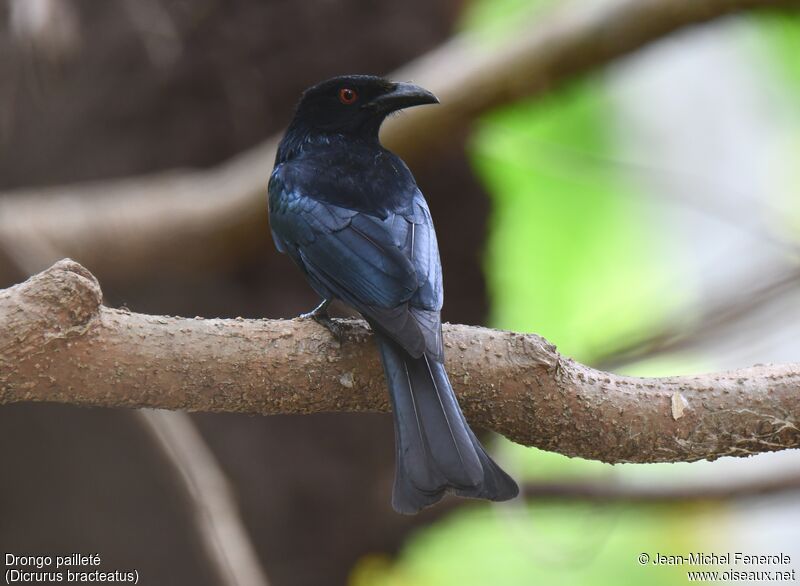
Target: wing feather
[{"x": 385, "y": 266}]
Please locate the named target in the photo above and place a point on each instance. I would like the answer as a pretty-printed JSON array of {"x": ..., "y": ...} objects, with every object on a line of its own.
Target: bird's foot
[
  {"x": 319, "y": 311},
  {"x": 336, "y": 330},
  {"x": 320, "y": 315}
]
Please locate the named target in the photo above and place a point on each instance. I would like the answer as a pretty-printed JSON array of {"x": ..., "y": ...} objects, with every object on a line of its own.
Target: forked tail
[{"x": 436, "y": 449}]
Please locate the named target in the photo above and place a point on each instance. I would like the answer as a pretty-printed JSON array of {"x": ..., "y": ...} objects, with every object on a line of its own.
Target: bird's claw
[
  {"x": 336, "y": 330},
  {"x": 320, "y": 315}
]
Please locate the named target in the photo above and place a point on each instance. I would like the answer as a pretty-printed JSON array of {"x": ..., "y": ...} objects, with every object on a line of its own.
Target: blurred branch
[
  {"x": 470, "y": 78},
  {"x": 60, "y": 344},
  {"x": 50, "y": 28},
  {"x": 123, "y": 228},
  {"x": 612, "y": 492},
  {"x": 677, "y": 335},
  {"x": 211, "y": 498}
]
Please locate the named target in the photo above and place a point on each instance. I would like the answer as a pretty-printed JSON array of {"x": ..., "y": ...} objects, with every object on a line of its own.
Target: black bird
[{"x": 350, "y": 215}]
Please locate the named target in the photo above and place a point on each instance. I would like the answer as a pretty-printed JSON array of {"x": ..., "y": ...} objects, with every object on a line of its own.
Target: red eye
[{"x": 347, "y": 96}]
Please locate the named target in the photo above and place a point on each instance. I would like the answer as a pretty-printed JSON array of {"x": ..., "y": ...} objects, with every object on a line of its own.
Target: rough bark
[
  {"x": 59, "y": 343},
  {"x": 122, "y": 228}
]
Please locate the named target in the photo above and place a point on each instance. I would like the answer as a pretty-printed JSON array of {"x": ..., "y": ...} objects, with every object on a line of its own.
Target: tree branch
[
  {"x": 123, "y": 228},
  {"x": 59, "y": 343},
  {"x": 219, "y": 524},
  {"x": 628, "y": 492},
  {"x": 709, "y": 322}
]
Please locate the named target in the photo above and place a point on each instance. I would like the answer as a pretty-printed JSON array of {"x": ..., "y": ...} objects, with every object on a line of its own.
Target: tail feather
[{"x": 437, "y": 452}]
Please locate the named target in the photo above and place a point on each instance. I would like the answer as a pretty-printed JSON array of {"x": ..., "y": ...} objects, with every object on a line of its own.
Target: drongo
[{"x": 349, "y": 214}]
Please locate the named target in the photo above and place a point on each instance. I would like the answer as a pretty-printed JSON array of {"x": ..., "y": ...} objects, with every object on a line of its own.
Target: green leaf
[{"x": 571, "y": 254}]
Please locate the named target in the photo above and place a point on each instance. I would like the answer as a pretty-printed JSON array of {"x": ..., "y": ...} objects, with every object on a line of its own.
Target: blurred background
[{"x": 644, "y": 217}]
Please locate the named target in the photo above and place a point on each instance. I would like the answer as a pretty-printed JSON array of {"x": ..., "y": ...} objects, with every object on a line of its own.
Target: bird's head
[{"x": 356, "y": 103}]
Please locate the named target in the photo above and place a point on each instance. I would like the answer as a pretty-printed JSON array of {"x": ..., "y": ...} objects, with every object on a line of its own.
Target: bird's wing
[{"x": 385, "y": 267}]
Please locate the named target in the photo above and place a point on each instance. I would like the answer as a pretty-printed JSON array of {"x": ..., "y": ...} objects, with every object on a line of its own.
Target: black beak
[{"x": 403, "y": 95}]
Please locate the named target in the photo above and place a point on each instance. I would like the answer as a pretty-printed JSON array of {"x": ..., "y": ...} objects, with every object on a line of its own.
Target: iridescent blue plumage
[{"x": 350, "y": 215}]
